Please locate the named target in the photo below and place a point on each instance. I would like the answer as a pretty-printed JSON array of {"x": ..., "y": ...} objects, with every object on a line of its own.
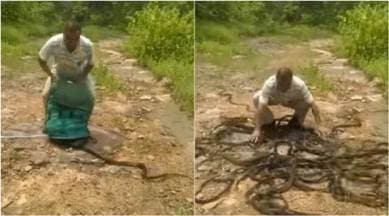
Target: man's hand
[
  {"x": 83, "y": 72},
  {"x": 316, "y": 113},
  {"x": 256, "y": 137}
]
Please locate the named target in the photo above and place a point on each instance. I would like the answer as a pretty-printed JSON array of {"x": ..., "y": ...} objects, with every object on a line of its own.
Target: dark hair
[
  {"x": 72, "y": 25},
  {"x": 284, "y": 73}
]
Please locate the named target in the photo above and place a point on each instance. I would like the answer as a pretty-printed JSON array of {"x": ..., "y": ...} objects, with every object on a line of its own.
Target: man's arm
[
  {"x": 309, "y": 99},
  {"x": 316, "y": 112},
  {"x": 88, "y": 68},
  {"x": 89, "y": 65},
  {"x": 45, "y": 67}
]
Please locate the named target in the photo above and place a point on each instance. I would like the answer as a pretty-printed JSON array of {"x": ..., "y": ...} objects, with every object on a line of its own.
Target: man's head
[
  {"x": 72, "y": 32},
  {"x": 284, "y": 78}
]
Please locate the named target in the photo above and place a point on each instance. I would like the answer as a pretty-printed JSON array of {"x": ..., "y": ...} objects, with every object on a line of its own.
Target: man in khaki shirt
[
  {"x": 69, "y": 56},
  {"x": 286, "y": 90}
]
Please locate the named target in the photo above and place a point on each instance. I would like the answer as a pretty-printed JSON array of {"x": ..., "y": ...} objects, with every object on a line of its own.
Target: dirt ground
[
  {"x": 141, "y": 123},
  {"x": 354, "y": 96}
]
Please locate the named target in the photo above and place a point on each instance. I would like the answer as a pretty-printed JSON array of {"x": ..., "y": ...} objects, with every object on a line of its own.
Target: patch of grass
[
  {"x": 376, "y": 68},
  {"x": 96, "y": 33},
  {"x": 181, "y": 75},
  {"x": 20, "y": 58},
  {"x": 297, "y": 33},
  {"x": 104, "y": 78},
  {"x": 217, "y": 32},
  {"x": 313, "y": 77},
  {"x": 216, "y": 52},
  {"x": 185, "y": 208}
]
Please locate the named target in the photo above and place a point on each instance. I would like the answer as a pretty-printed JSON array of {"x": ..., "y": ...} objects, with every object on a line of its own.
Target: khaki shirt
[{"x": 269, "y": 95}]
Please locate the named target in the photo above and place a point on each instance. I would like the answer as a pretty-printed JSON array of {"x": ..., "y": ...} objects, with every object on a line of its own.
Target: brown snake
[{"x": 144, "y": 170}]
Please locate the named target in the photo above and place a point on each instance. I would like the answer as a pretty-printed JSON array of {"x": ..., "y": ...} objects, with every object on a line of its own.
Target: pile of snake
[{"x": 289, "y": 158}]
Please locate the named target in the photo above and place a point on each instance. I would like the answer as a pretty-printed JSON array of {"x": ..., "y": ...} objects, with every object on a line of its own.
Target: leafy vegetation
[
  {"x": 162, "y": 36},
  {"x": 364, "y": 39},
  {"x": 105, "y": 79}
]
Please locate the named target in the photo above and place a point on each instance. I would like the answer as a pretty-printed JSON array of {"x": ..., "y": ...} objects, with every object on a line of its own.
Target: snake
[
  {"x": 294, "y": 170},
  {"x": 142, "y": 166}
]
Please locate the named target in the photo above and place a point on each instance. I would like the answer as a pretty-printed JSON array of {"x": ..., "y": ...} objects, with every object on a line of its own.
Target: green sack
[
  {"x": 65, "y": 123},
  {"x": 77, "y": 95},
  {"x": 69, "y": 108}
]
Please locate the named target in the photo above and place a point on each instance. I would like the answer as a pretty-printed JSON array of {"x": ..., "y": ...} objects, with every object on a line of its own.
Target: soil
[
  {"x": 140, "y": 123},
  {"x": 354, "y": 97}
]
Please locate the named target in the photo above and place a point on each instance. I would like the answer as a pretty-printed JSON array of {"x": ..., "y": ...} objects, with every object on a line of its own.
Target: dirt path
[
  {"x": 354, "y": 97},
  {"x": 141, "y": 124}
]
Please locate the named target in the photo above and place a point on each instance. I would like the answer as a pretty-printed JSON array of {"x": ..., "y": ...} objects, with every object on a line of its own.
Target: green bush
[
  {"x": 181, "y": 75},
  {"x": 160, "y": 33},
  {"x": 364, "y": 31},
  {"x": 364, "y": 38},
  {"x": 162, "y": 38},
  {"x": 12, "y": 34}
]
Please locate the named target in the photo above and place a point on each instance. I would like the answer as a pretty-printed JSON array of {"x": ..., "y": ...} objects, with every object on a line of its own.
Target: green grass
[
  {"x": 298, "y": 33},
  {"x": 313, "y": 77},
  {"x": 181, "y": 75},
  {"x": 224, "y": 45},
  {"x": 96, "y": 33},
  {"x": 184, "y": 208},
  {"x": 104, "y": 78},
  {"x": 375, "y": 68}
]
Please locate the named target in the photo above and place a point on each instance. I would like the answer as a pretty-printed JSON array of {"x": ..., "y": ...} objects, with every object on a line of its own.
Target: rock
[
  {"x": 165, "y": 81},
  {"x": 356, "y": 98},
  {"x": 150, "y": 157},
  {"x": 355, "y": 71},
  {"x": 237, "y": 56},
  {"x": 146, "y": 97},
  {"x": 129, "y": 61},
  {"x": 246, "y": 88},
  {"x": 374, "y": 98},
  {"x": 117, "y": 130},
  {"x": 27, "y": 168},
  {"x": 128, "y": 128},
  {"x": 204, "y": 167},
  {"x": 356, "y": 109},
  {"x": 19, "y": 146},
  {"x": 211, "y": 205},
  {"x": 140, "y": 136},
  {"x": 145, "y": 109},
  {"x": 39, "y": 158},
  {"x": 163, "y": 98},
  {"x": 376, "y": 81},
  {"x": 6, "y": 202},
  {"x": 121, "y": 96},
  {"x": 26, "y": 57},
  {"x": 342, "y": 61}
]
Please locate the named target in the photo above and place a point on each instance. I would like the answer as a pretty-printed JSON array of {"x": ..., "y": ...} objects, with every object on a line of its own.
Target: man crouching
[{"x": 286, "y": 90}]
